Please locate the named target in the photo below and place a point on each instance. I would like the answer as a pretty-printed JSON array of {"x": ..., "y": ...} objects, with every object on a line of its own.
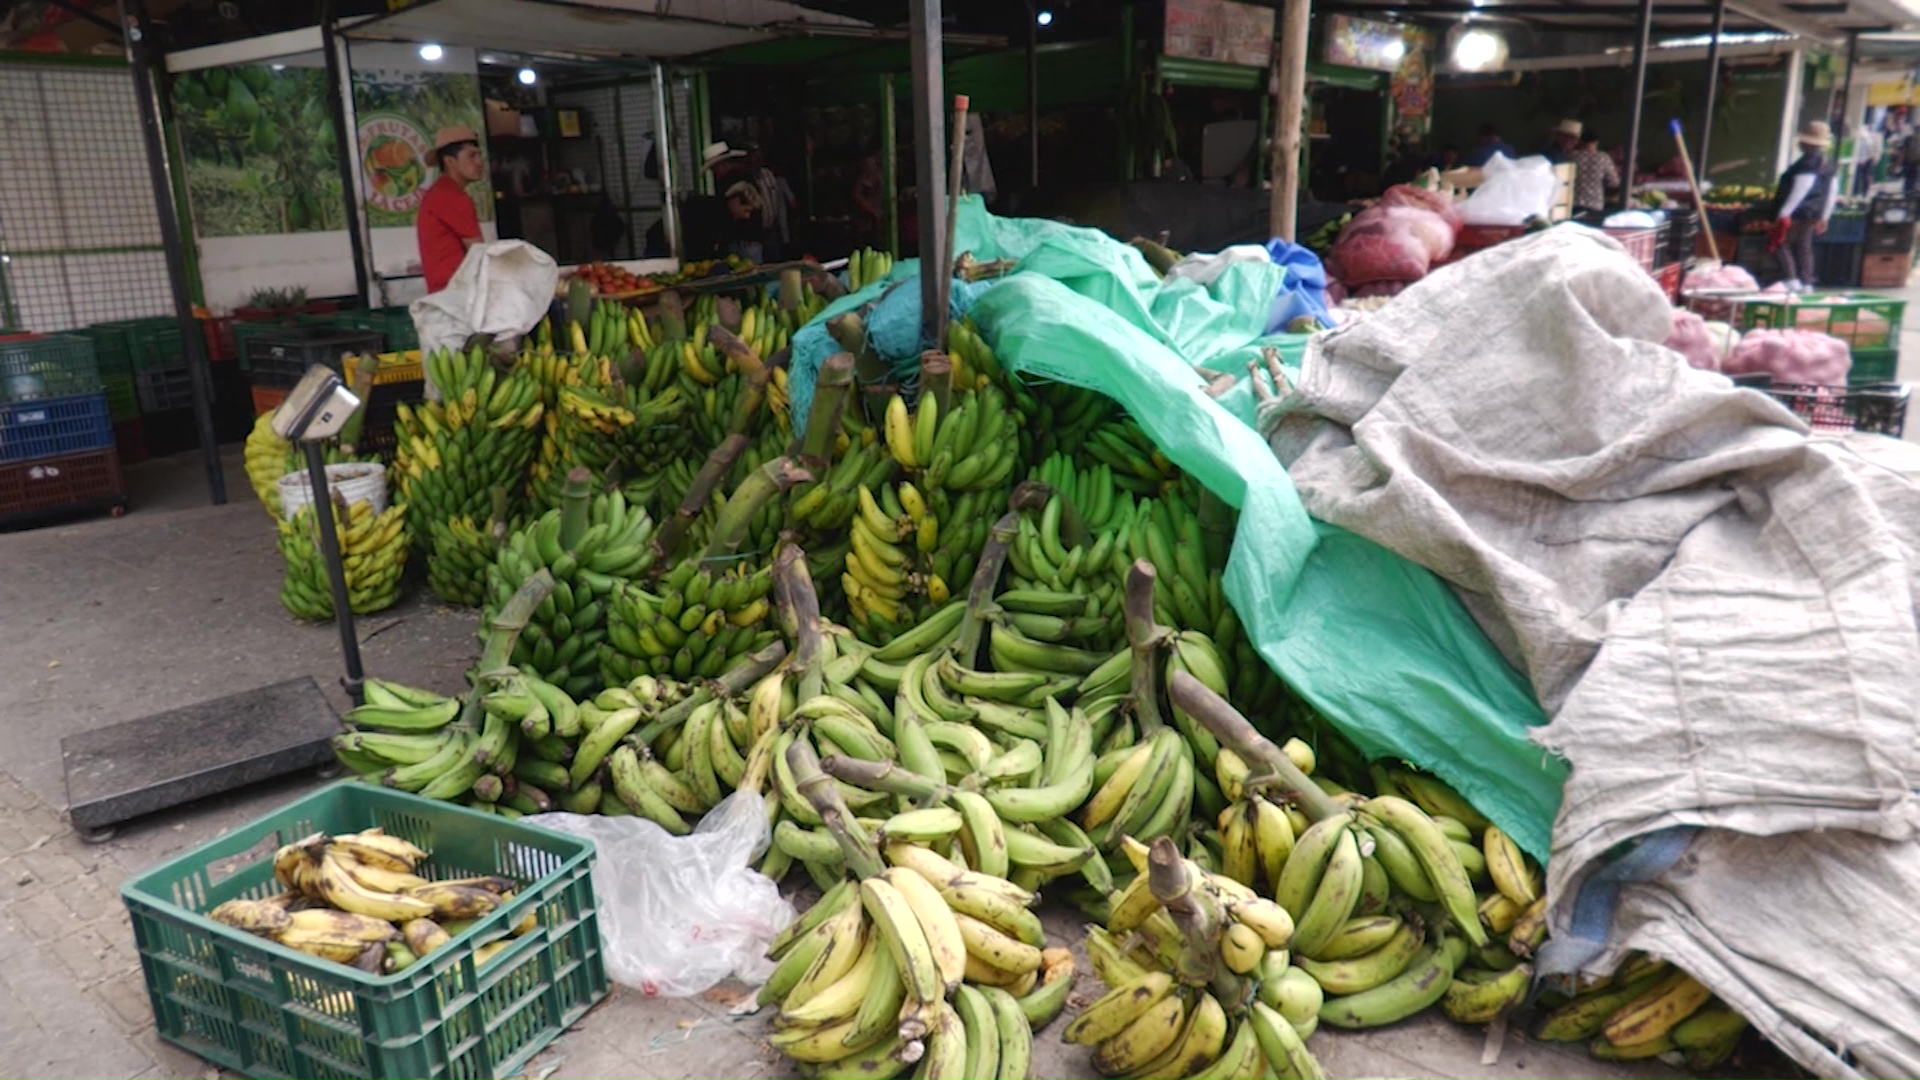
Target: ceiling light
[
  {"x": 1479, "y": 50},
  {"x": 1045, "y": 18},
  {"x": 528, "y": 76},
  {"x": 278, "y": 67},
  {"x": 1394, "y": 50},
  {"x": 431, "y": 52}
]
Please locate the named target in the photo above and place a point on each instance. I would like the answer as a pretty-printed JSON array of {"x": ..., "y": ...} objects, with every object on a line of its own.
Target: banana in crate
[
  {"x": 372, "y": 546},
  {"x": 358, "y": 899},
  {"x": 592, "y": 545}
]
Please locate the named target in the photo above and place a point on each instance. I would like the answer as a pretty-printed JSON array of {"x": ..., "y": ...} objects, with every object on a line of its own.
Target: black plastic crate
[
  {"x": 49, "y": 427},
  {"x": 47, "y": 366},
  {"x": 1893, "y": 210},
  {"x": 1836, "y": 266},
  {"x": 164, "y": 391},
  {"x": 1889, "y": 239},
  {"x": 281, "y": 356},
  {"x": 1683, "y": 232},
  {"x": 1873, "y": 410}
]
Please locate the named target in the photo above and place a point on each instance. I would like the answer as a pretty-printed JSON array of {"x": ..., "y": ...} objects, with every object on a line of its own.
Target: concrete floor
[{"x": 106, "y": 620}]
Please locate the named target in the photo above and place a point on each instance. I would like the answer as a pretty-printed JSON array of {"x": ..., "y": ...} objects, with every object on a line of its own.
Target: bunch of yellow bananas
[
  {"x": 355, "y": 899},
  {"x": 373, "y": 547}
]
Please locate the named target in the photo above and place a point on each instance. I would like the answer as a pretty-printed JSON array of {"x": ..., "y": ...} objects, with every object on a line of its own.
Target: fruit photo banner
[
  {"x": 397, "y": 112},
  {"x": 259, "y": 149},
  {"x": 1378, "y": 644}
]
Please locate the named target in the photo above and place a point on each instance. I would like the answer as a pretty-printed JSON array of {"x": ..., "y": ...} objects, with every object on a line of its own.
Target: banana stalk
[
  {"x": 886, "y": 776},
  {"x": 673, "y": 317},
  {"x": 936, "y": 378},
  {"x": 830, "y": 390},
  {"x": 863, "y": 858},
  {"x": 673, "y": 532},
  {"x": 1144, "y": 637},
  {"x": 733, "y": 684},
  {"x": 986, "y": 581},
  {"x": 1233, "y": 731},
  {"x": 1198, "y": 915},
  {"x": 849, "y": 330}
]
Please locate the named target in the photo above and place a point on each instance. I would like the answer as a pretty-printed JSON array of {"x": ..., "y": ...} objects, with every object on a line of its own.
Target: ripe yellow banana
[
  {"x": 1119, "y": 1007},
  {"x": 1659, "y": 1010},
  {"x": 1144, "y": 1038},
  {"x": 906, "y": 941},
  {"x": 937, "y": 921},
  {"x": 1508, "y": 868}
]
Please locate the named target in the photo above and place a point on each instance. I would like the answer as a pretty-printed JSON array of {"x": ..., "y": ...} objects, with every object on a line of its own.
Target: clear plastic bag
[
  {"x": 680, "y": 913},
  {"x": 1512, "y": 191}
]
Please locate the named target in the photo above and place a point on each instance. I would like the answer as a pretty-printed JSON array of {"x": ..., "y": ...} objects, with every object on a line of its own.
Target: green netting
[{"x": 1376, "y": 643}]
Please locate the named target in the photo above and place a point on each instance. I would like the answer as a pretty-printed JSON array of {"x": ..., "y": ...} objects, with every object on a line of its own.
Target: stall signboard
[
  {"x": 1363, "y": 43},
  {"x": 258, "y": 149},
  {"x": 1894, "y": 92},
  {"x": 1223, "y": 31},
  {"x": 398, "y": 112}
]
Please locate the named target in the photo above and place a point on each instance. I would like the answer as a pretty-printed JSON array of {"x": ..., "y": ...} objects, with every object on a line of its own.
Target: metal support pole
[
  {"x": 1640, "y": 43},
  {"x": 343, "y": 137},
  {"x": 1128, "y": 168},
  {"x": 323, "y": 520},
  {"x": 663, "y": 143},
  {"x": 1713, "y": 91},
  {"x": 929, "y": 149},
  {"x": 1840, "y": 102},
  {"x": 1290, "y": 100},
  {"x": 1033, "y": 97},
  {"x": 143, "y": 58},
  {"x": 890, "y": 165}
]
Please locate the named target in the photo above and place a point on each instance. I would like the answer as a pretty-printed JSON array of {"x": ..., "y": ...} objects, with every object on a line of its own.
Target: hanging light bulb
[
  {"x": 431, "y": 53},
  {"x": 1045, "y": 18},
  {"x": 528, "y": 76}
]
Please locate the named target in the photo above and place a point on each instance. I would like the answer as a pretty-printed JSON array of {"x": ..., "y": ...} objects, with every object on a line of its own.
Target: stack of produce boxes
[
  {"x": 56, "y": 430},
  {"x": 1889, "y": 241}
]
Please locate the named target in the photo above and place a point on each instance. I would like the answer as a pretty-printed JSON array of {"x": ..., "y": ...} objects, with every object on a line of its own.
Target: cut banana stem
[
  {"x": 1233, "y": 730},
  {"x": 863, "y": 858}
]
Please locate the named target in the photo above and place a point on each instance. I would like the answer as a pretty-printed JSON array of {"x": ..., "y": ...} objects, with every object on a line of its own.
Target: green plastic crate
[
  {"x": 1874, "y": 366},
  {"x": 153, "y": 344},
  {"x": 395, "y": 322},
  {"x": 262, "y": 1009},
  {"x": 1861, "y": 320},
  {"x": 123, "y": 400},
  {"x": 110, "y": 353}
]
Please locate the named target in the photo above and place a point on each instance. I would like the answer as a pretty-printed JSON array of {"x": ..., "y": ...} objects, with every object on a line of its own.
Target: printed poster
[
  {"x": 398, "y": 113},
  {"x": 247, "y": 173}
]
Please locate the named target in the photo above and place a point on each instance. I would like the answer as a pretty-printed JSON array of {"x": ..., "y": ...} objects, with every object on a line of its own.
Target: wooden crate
[{"x": 1885, "y": 271}]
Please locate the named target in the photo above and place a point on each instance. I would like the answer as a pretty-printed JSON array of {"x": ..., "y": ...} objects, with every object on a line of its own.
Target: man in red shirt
[{"x": 447, "y": 223}]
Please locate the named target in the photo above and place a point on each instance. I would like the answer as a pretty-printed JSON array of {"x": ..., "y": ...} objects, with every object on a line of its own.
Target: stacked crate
[
  {"x": 1888, "y": 257},
  {"x": 56, "y": 430}
]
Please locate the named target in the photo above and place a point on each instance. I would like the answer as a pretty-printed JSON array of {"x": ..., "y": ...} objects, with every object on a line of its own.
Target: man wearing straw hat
[{"x": 1803, "y": 204}]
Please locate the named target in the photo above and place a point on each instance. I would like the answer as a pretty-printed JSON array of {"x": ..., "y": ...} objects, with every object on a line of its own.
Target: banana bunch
[
  {"x": 452, "y": 453},
  {"x": 843, "y": 457},
  {"x": 920, "y": 962},
  {"x": 708, "y": 610},
  {"x": 1063, "y": 417},
  {"x": 270, "y": 457},
  {"x": 1200, "y": 983},
  {"x": 582, "y": 431},
  {"x": 1647, "y": 1008},
  {"x": 592, "y": 545},
  {"x": 608, "y": 330},
  {"x": 1077, "y": 581},
  {"x": 1136, "y": 463},
  {"x": 866, "y": 266},
  {"x": 463, "y": 551},
  {"x": 356, "y": 899},
  {"x": 373, "y": 547},
  {"x": 698, "y": 623}
]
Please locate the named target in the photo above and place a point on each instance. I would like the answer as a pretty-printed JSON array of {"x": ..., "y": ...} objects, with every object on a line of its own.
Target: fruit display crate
[
  {"x": 1893, "y": 209},
  {"x": 1845, "y": 229},
  {"x": 282, "y": 355},
  {"x": 1647, "y": 246},
  {"x": 46, "y": 366},
  {"x": 1885, "y": 271},
  {"x": 1880, "y": 410},
  {"x": 1862, "y": 321},
  {"x": 1670, "y": 277},
  {"x": 262, "y": 1009},
  {"x": 123, "y": 397},
  {"x": 51, "y": 427},
  {"x": 31, "y": 491}
]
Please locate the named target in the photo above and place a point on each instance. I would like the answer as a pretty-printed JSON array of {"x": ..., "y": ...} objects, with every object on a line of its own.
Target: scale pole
[{"x": 336, "y": 570}]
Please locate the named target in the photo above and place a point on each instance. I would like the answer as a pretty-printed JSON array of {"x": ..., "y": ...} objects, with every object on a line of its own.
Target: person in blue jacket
[{"x": 1490, "y": 144}]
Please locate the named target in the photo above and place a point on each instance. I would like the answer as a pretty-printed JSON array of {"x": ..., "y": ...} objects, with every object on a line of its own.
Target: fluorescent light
[
  {"x": 278, "y": 67},
  {"x": 1045, "y": 18},
  {"x": 1394, "y": 50},
  {"x": 528, "y": 76},
  {"x": 1478, "y": 50},
  {"x": 431, "y": 52}
]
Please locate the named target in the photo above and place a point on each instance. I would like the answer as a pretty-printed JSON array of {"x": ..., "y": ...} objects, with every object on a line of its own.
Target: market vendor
[
  {"x": 447, "y": 223},
  {"x": 1565, "y": 141},
  {"x": 1803, "y": 204}
]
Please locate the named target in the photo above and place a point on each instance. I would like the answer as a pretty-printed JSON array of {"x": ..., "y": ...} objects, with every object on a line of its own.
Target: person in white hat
[
  {"x": 1566, "y": 139},
  {"x": 1803, "y": 204},
  {"x": 447, "y": 224},
  {"x": 766, "y": 230}
]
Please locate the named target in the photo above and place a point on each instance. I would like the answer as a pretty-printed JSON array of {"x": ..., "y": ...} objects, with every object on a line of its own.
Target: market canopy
[
  {"x": 658, "y": 29},
  {"x": 1828, "y": 21}
]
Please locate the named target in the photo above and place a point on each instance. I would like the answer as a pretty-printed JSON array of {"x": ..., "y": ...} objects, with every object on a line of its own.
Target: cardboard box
[{"x": 502, "y": 121}]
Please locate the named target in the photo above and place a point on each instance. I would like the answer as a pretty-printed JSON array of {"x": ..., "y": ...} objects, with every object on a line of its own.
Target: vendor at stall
[
  {"x": 1803, "y": 204},
  {"x": 1564, "y": 142},
  {"x": 447, "y": 223}
]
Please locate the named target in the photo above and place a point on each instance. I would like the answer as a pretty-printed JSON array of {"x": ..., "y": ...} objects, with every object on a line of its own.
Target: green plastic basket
[
  {"x": 1862, "y": 321},
  {"x": 153, "y": 344},
  {"x": 47, "y": 365},
  {"x": 395, "y": 322},
  {"x": 123, "y": 399},
  {"x": 1874, "y": 366},
  {"x": 262, "y": 1009}
]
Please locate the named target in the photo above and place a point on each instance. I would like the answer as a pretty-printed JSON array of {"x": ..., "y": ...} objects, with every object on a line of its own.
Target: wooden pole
[
  {"x": 1290, "y": 99},
  {"x": 929, "y": 143}
]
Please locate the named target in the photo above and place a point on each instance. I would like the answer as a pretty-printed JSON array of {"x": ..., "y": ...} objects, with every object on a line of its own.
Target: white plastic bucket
[{"x": 354, "y": 481}]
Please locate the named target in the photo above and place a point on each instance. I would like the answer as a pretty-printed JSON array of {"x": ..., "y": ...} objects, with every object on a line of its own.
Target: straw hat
[
  {"x": 449, "y": 136},
  {"x": 1570, "y": 127},
  {"x": 717, "y": 152},
  {"x": 1816, "y": 133}
]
